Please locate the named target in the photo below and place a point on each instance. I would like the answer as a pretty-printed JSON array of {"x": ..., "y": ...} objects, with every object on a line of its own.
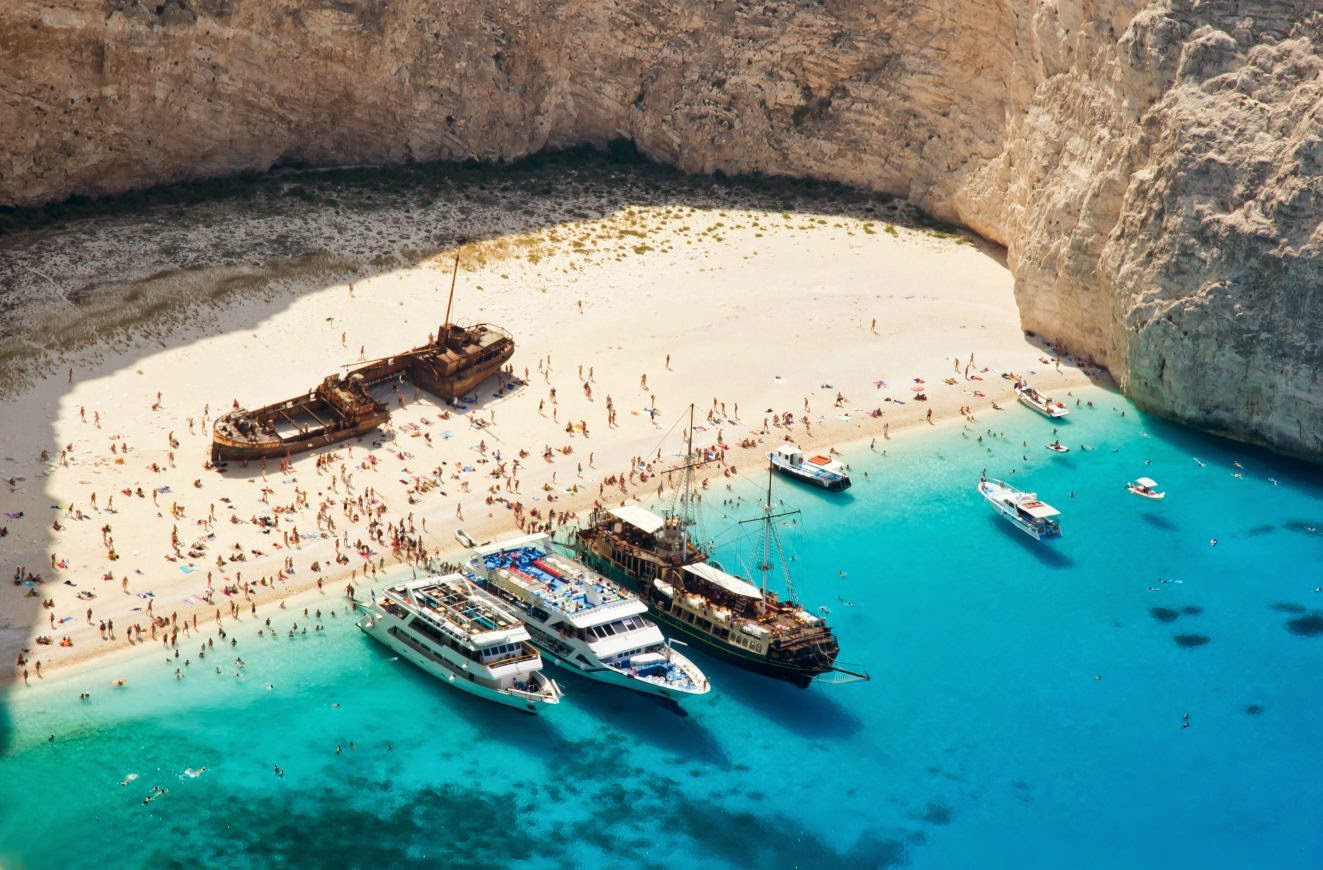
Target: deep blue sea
[{"x": 1028, "y": 703}]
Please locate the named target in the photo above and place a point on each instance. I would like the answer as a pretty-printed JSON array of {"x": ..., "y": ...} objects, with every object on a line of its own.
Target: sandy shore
[{"x": 757, "y": 312}]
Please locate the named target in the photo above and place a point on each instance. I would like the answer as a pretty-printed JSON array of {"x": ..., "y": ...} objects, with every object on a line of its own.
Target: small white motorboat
[
  {"x": 1031, "y": 398},
  {"x": 818, "y": 470},
  {"x": 1023, "y": 509},
  {"x": 1146, "y": 487},
  {"x": 1058, "y": 447}
]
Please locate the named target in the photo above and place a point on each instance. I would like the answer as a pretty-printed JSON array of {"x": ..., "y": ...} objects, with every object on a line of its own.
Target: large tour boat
[
  {"x": 1031, "y": 398},
  {"x": 343, "y": 406},
  {"x": 725, "y": 615},
  {"x": 1023, "y": 509},
  {"x": 818, "y": 470},
  {"x": 464, "y": 637},
  {"x": 583, "y": 621}
]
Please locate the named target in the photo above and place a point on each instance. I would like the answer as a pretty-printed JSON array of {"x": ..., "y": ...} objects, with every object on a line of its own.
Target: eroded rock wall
[{"x": 1153, "y": 166}]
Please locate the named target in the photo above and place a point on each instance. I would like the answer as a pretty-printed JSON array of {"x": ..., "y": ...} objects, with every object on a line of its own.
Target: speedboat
[
  {"x": 1031, "y": 398},
  {"x": 582, "y": 621},
  {"x": 818, "y": 470},
  {"x": 1058, "y": 447},
  {"x": 1146, "y": 487},
  {"x": 463, "y": 637},
  {"x": 1024, "y": 510}
]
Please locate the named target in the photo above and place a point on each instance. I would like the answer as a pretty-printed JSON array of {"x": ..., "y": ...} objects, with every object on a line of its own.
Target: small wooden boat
[
  {"x": 1146, "y": 487},
  {"x": 342, "y": 406}
]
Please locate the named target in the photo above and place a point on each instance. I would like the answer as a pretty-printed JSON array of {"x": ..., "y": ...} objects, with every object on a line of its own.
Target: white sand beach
[{"x": 760, "y": 314}]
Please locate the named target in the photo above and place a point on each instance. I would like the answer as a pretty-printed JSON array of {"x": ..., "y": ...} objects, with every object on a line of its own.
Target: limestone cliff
[{"x": 1154, "y": 167}]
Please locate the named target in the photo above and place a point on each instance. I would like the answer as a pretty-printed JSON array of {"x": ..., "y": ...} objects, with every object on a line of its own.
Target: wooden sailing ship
[
  {"x": 342, "y": 406},
  {"x": 729, "y": 617}
]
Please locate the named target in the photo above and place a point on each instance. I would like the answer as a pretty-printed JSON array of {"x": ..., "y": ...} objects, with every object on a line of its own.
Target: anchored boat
[
  {"x": 464, "y": 637},
  {"x": 818, "y": 470},
  {"x": 343, "y": 406},
  {"x": 726, "y": 615},
  {"x": 1146, "y": 487},
  {"x": 1031, "y": 398},
  {"x": 1023, "y": 509},
  {"x": 583, "y": 621}
]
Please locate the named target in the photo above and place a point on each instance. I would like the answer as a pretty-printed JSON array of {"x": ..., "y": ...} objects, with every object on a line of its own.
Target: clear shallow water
[{"x": 1026, "y": 707}]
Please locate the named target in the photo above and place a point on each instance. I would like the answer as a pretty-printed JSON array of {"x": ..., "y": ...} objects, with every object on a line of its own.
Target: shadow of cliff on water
[{"x": 127, "y": 274}]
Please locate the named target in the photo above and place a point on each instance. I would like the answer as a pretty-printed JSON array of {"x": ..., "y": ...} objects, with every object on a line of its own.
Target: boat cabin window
[
  {"x": 620, "y": 626},
  {"x": 501, "y": 649}
]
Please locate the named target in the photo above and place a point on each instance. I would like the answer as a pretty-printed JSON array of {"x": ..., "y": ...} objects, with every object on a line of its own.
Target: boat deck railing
[{"x": 557, "y": 583}]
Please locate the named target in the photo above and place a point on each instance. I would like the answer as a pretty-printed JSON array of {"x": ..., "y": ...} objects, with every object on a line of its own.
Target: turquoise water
[{"x": 1026, "y": 708}]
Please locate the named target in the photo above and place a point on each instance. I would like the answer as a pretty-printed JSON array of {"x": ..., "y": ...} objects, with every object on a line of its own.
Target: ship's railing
[{"x": 544, "y": 691}]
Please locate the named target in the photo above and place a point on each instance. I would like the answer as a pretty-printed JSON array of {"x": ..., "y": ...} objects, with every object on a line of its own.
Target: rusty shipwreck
[{"x": 343, "y": 406}]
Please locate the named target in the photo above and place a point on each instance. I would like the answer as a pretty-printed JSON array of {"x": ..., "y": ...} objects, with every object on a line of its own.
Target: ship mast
[
  {"x": 772, "y": 541},
  {"x": 445, "y": 327},
  {"x": 685, "y": 497}
]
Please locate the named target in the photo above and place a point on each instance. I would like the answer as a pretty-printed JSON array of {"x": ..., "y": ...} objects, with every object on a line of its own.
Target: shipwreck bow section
[{"x": 343, "y": 406}]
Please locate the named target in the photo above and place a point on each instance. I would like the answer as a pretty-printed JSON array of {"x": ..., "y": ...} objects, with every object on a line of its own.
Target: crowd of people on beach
[{"x": 250, "y": 536}]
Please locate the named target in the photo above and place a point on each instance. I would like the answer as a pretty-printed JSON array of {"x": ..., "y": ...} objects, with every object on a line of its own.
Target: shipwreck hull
[
  {"x": 342, "y": 407},
  {"x": 229, "y": 450},
  {"x": 451, "y": 387}
]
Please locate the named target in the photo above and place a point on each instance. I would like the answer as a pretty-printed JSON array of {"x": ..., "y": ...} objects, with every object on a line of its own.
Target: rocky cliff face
[{"x": 1154, "y": 167}]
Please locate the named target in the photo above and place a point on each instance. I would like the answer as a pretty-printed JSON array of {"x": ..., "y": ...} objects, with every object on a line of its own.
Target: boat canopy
[
  {"x": 541, "y": 540},
  {"x": 1147, "y": 481},
  {"x": 789, "y": 451},
  {"x": 730, "y": 583},
  {"x": 1039, "y": 510},
  {"x": 639, "y": 517}
]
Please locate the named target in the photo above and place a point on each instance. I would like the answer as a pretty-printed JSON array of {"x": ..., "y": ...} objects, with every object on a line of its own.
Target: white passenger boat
[
  {"x": 1031, "y": 398},
  {"x": 1024, "y": 509},
  {"x": 1146, "y": 487},
  {"x": 583, "y": 621},
  {"x": 818, "y": 470},
  {"x": 464, "y": 637}
]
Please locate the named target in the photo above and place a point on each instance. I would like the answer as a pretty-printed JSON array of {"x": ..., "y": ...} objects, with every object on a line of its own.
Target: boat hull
[
  {"x": 603, "y": 674},
  {"x": 427, "y": 367},
  {"x": 563, "y": 654},
  {"x": 378, "y": 630},
  {"x": 1008, "y": 513},
  {"x": 837, "y": 484},
  {"x": 227, "y": 450},
  {"x": 1050, "y": 413},
  {"x": 777, "y": 669},
  {"x": 453, "y": 387}
]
